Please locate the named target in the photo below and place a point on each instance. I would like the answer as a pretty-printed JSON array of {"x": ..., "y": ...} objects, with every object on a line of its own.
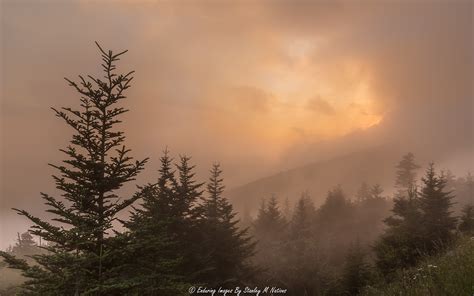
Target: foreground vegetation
[{"x": 450, "y": 273}]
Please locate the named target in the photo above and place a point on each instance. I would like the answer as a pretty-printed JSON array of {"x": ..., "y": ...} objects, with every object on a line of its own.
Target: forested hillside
[{"x": 183, "y": 235}]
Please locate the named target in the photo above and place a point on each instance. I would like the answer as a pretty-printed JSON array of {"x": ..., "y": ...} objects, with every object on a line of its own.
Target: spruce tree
[
  {"x": 356, "y": 273},
  {"x": 337, "y": 227},
  {"x": 363, "y": 192},
  {"x": 466, "y": 225},
  {"x": 186, "y": 215},
  {"x": 464, "y": 188},
  {"x": 303, "y": 219},
  {"x": 157, "y": 261},
  {"x": 79, "y": 261},
  {"x": 286, "y": 209},
  {"x": 269, "y": 230},
  {"x": 336, "y": 217},
  {"x": 435, "y": 205},
  {"x": 406, "y": 173},
  {"x": 269, "y": 226},
  {"x": 274, "y": 216},
  {"x": 401, "y": 244},
  {"x": 229, "y": 248},
  {"x": 302, "y": 271},
  {"x": 25, "y": 245},
  {"x": 470, "y": 187},
  {"x": 376, "y": 192},
  {"x": 370, "y": 214},
  {"x": 187, "y": 189}
]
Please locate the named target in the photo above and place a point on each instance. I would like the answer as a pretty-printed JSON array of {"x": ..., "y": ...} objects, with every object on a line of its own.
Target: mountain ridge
[{"x": 372, "y": 165}]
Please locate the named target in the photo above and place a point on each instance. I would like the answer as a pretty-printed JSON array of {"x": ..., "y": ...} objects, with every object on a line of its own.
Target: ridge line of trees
[
  {"x": 178, "y": 234},
  {"x": 183, "y": 233}
]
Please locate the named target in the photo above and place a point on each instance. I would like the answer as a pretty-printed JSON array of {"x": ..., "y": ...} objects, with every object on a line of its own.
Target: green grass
[{"x": 449, "y": 274}]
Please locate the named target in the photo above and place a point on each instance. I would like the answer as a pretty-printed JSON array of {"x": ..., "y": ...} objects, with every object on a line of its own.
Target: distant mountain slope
[{"x": 376, "y": 165}]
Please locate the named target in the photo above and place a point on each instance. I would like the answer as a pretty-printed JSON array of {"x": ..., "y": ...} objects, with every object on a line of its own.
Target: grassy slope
[
  {"x": 9, "y": 278},
  {"x": 448, "y": 274}
]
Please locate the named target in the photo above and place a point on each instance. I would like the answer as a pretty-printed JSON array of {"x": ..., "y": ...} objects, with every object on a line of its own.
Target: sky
[{"x": 260, "y": 86}]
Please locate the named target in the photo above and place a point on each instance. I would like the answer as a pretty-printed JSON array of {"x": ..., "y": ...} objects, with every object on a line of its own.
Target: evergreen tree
[
  {"x": 274, "y": 215},
  {"x": 25, "y": 245},
  {"x": 450, "y": 180},
  {"x": 470, "y": 186},
  {"x": 269, "y": 229},
  {"x": 79, "y": 261},
  {"x": 401, "y": 244},
  {"x": 302, "y": 271},
  {"x": 302, "y": 222},
  {"x": 335, "y": 208},
  {"x": 186, "y": 214},
  {"x": 229, "y": 248},
  {"x": 376, "y": 192},
  {"x": 164, "y": 228},
  {"x": 370, "y": 214},
  {"x": 467, "y": 220},
  {"x": 356, "y": 273},
  {"x": 270, "y": 222},
  {"x": 363, "y": 192},
  {"x": 188, "y": 191},
  {"x": 337, "y": 226},
  {"x": 435, "y": 205},
  {"x": 464, "y": 188},
  {"x": 286, "y": 209},
  {"x": 406, "y": 173},
  {"x": 153, "y": 261}
]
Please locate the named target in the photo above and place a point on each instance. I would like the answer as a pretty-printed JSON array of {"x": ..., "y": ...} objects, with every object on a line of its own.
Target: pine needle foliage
[{"x": 78, "y": 260}]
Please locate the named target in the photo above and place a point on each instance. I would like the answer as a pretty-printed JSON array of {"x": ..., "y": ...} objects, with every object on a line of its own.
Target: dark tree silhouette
[
  {"x": 406, "y": 173},
  {"x": 467, "y": 220},
  {"x": 154, "y": 260},
  {"x": 435, "y": 205},
  {"x": 356, "y": 272},
  {"x": 229, "y": 248},
  {"x": 78, "y": 260}
]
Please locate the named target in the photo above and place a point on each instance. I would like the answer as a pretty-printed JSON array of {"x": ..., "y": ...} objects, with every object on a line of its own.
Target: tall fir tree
[
  {"x": 229, "y": 248},
  {"x": 376, "y": 192},
  {"x": 470, "y": 187},
  {"x": 303, "y": 219},
  {"x": 186, "y": 215},
  {"x": 337, "y": 227},
  {"x": 466, "y": 224},
  {"x": 363, "y": 192},
  {"x": 270, "y": 222},
  {"x": 78, "y": 260},
  {"x": 153, "y": 261},
  {"x": 269, "y": 229},
  {"x": 336, "y": 214},
  {"x": 356, "y": 273},
  {"x": 302, "y": 271},
  {"x": 435, "y": 205},
  {"x": 464, "y": 188},
  {"x": 406, "y": 174},
  {"x": 286, "y": 211},
  {"x": 24, "y": 246},
  {"x": 401, "y": 244},
  {"x": 370, "y": 214}
]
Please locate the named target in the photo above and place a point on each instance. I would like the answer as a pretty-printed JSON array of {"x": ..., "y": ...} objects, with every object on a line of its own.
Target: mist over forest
[{"x": 307, "y": 148}]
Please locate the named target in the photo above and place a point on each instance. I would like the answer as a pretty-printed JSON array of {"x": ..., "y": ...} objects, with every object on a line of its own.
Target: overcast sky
[{"x": 260, "y": 86}]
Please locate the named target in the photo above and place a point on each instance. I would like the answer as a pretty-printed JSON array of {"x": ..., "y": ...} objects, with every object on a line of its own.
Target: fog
[{"x": 261, "y": 87}]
